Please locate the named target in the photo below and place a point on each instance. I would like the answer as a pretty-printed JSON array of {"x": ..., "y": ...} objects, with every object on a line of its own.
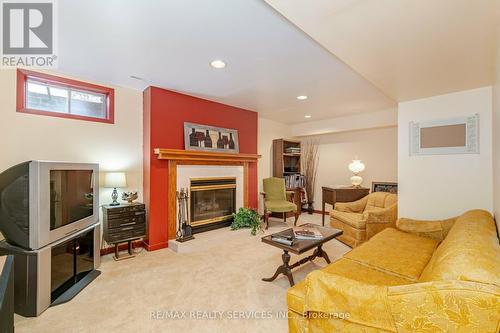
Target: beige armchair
[{"x": 362, "y": 219}]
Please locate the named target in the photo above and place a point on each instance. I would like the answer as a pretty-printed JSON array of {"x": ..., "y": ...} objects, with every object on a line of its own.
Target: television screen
[{"x": 71, "y": 196}]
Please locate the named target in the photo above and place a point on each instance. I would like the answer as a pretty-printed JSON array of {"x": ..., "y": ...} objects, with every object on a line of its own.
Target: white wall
[
  {"x": 268, "y": 130},
  {"x": 116, "y": 147},
  {"x": 496, "y": 135},
  {"x": 377, "y": 148},
  {"x": 441, "y": 186},
  {"x": 362, "y": 121}
]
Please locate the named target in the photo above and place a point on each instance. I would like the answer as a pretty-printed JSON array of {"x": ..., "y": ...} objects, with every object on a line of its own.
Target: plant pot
[{"x": 310, "y": 207}]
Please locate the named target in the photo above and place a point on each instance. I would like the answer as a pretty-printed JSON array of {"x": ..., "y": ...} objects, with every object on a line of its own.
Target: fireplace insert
[{"x": 213, "y": 201}]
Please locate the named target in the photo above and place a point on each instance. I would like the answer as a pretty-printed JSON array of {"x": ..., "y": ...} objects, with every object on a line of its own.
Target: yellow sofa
[
  {"x": 424, "y": 276},
  {"x": 362, "y": 219}
]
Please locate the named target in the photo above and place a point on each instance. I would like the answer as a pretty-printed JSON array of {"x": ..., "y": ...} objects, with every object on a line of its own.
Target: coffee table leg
[
  {"x": 320, "y": 253},
  {"x": 283, "y": 269}
]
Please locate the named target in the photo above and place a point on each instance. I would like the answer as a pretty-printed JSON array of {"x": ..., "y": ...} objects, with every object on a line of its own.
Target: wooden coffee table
[{"x": 298, "y": 247}]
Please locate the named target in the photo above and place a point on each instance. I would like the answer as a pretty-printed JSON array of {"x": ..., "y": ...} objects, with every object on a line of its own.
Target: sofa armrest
[
  {"x": 436, "y": 229},
  {"x": 357, "y": 206},
  {"x": 337, "y": 296},
  {"x": 445, "y": 306}
]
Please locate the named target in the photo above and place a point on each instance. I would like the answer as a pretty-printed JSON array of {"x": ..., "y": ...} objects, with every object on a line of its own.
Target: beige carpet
[{"x": 221, "y": 270}]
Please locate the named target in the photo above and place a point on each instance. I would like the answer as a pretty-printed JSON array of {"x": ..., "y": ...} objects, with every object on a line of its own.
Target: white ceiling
[
  {"x": 170, "y": 44},
  {"x": 409, "y": 49}
]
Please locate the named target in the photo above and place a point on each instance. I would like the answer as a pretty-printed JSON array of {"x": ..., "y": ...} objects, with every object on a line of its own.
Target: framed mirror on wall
[{"x": 449, "y": 136}]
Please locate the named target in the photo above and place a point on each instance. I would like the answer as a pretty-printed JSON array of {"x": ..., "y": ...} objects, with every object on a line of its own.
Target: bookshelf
[
  {"x": 286, "y": 162},
  {"x": 286, "y": 157}
]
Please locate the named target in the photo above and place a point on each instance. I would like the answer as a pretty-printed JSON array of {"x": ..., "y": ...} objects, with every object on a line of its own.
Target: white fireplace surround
[{"x": 186, "y": 172}]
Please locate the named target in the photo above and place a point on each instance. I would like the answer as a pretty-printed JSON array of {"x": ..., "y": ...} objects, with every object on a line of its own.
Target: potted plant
[
  {"x": 246, "y": 218},
  {"x": 310, "y": 159}
]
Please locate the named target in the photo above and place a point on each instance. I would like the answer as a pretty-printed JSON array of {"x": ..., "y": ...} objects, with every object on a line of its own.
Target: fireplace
[{"x": 212, "y": 203}]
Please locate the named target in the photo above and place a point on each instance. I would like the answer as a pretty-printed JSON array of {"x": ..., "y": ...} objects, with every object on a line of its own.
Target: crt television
[{"x": 42, "y": 202}]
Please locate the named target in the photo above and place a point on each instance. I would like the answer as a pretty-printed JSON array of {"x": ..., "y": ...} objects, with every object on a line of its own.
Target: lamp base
[
  {"x": 114, "y": 196},
  {"x": 356, "y": 180}
]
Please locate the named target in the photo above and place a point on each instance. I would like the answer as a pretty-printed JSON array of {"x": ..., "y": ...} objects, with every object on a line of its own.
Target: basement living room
[{"x": 250, "y": 166}]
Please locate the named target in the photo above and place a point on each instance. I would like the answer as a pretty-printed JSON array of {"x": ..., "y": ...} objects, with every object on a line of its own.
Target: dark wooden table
[
  {"x": 331, "y": 195},
  {"x": 299, "y": 247}
]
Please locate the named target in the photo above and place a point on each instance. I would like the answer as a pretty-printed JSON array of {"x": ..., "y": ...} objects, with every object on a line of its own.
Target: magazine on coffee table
[{"x": 307, "y": 233}]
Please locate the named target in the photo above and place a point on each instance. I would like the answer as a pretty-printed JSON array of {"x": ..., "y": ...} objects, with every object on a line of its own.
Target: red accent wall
[{"x": 164, "y": 115}]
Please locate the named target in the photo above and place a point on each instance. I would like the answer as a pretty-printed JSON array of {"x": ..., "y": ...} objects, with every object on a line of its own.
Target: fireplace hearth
[{"x": 212, "y": 202}]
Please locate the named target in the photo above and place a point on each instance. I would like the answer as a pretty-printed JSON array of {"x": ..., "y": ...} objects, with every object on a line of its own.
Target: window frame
[{"x": 22, "y": 81}]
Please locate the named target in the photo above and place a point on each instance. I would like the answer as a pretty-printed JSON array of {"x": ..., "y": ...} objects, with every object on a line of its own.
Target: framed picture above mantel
[{"x": 209, "y": 138}]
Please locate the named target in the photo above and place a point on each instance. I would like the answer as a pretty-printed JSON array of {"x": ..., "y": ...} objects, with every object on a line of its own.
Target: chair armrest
[
  {"x": 436, "y": 229},
  {"x": 292, "y": 195},
  {"x": 358, "y": 302},
  {"x": 378, "y": 220},
  {"x": 357, "y": 206},
  {"x": 445, "y": 306},
  {"x": 386, "y": 215}
]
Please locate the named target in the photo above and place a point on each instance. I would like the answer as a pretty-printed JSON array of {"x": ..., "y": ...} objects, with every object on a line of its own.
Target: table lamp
[
  {"x": 356, "y": 166},
  {"x": 115, "y": 180}
]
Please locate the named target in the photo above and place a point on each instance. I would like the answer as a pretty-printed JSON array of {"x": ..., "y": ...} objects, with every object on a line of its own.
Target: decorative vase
[{"x": 310, "y": 207}]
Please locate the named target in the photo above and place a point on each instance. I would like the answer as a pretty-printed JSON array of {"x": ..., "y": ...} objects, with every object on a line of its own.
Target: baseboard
[{"x": 154, "y": 247}]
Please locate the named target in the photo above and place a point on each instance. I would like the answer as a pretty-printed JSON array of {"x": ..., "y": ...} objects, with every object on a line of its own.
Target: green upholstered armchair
[{"x": 275, "y": 199}]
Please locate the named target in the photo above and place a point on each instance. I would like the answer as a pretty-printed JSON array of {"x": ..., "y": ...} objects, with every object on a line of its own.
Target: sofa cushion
[
  {"x": 380, "y": 200},
  {"x": 355, "y": 220},
  {"x": 395, "y": 252},
  {"x": 470, "y": 251},
  {"x": 349, "y": 269}
]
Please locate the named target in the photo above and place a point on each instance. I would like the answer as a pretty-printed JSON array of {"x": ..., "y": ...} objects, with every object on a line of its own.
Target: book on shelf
[
  {"x": 307, "y": 233},
  {"x": 292, "y": 150},
  {"x": 294, "y": 181}
]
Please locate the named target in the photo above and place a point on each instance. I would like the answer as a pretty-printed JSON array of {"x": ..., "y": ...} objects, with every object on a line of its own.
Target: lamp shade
[
  {"x": 356, "y": 166},
  {"x": 115, "y": 179}
]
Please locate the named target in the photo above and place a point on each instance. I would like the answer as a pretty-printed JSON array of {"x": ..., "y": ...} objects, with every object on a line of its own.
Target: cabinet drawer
[
  {"x": 124, "y": 235},
  {"x": 129, "y": 221}
]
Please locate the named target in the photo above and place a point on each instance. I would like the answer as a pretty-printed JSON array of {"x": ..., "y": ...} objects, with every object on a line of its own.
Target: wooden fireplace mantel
[
  {"x": 192, "y": 155},
  {"x": 177, "y": 157}
]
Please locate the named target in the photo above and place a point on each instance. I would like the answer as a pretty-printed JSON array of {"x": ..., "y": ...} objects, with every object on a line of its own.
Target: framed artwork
[
  {"x": 449, "y": 136},
  {"x": 208, "y": 138},
  {"x": 385, "y": 187}
]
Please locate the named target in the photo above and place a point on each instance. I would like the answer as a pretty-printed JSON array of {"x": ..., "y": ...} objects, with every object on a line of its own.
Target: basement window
[{"x": 44, "y": 94}]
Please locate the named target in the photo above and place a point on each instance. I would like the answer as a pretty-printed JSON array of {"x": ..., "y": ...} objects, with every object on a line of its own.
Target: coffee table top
[{"x": 300, "y": 246}]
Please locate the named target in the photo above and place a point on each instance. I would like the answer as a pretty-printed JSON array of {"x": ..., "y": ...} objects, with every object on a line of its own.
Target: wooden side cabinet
[
  {"x": 124, "y": 223},
  {"x": 331, "y": 195}
]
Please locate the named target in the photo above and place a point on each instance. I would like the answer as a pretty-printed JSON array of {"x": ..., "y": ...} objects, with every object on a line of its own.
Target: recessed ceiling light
[
  {"x": 218, "y": 64},
  {"x": 307, "y": 116},
  {"x": 302, "y": 97}
]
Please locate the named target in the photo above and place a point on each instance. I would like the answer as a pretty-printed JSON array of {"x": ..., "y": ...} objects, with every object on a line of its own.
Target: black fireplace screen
[{"x": 212, "y": 200}]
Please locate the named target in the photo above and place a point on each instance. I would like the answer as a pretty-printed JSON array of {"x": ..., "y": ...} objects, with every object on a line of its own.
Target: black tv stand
[
  {"x": 76, "y": 288},
  {"x": 55, "y": 273}
]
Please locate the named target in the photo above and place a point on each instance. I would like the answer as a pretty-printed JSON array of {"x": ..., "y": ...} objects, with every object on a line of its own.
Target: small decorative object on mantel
[
  {"x": 115, "y": 180},
  {"x": 310, "y": 160},
  {"x": 184, "y": 230},
  {"x": 356, "y": 166},
  {"x": 208, "y": 138},
  {"x": 129, "y": 196},
  {"x": 389, "y": 187}
]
